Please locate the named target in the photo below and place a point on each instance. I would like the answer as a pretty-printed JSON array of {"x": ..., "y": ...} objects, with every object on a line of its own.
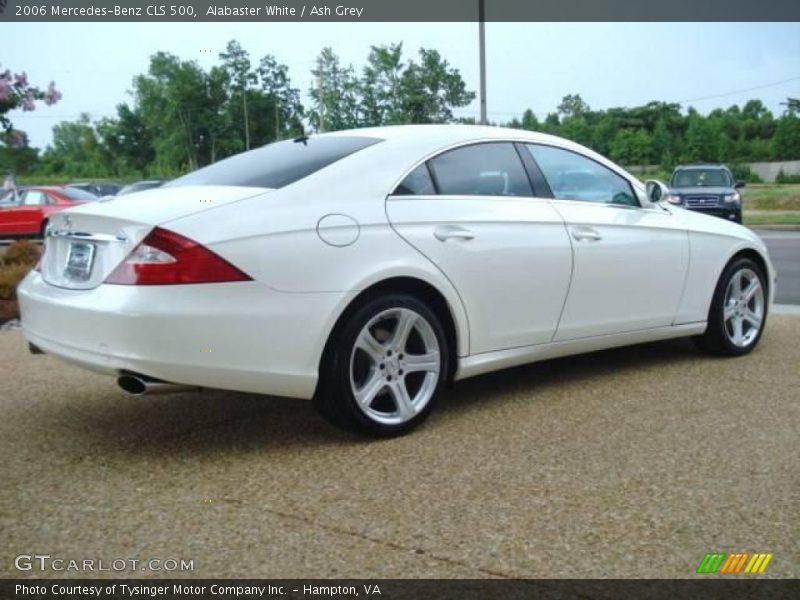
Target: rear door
[
  {"x": 472, "y": 211},
  {"x": 630, "y": 262}
]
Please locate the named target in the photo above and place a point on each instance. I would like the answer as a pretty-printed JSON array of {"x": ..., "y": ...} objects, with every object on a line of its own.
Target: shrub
[
  {"x": 743, "y": 173},
  {"x": 22, "y": 252},
  {"x": 20, "y": 257},
  {"x": 784, "y": 178},
  {"x": 10, "y": 276}
]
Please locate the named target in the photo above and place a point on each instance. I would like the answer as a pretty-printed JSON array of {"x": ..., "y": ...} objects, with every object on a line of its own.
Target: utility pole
[
  {"x": 246, "y": 121},
  {"x": 277, "y": 121},
  {"x": 482, "y": 44}
]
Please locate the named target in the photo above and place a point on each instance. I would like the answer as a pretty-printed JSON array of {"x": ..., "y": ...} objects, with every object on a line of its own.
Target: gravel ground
[{"x": 627, "y": 463}]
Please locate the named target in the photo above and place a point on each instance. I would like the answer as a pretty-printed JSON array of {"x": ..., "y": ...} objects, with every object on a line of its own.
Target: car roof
[
  {"x": 702, "y": 166},
  {"x": 448, "y": 133}
]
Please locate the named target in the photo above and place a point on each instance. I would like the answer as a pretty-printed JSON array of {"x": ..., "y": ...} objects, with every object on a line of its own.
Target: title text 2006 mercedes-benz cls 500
[{"x": 366, "y": 268}]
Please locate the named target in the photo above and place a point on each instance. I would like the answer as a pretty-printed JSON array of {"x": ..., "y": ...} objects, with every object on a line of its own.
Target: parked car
[
  {"x": 99, "y": 188},
  {"x": 709, "y": 189},
  {"x": 28, "y": 215},
  {"x": 141, "y": 186},
  {"x": 366, "y": 268}
]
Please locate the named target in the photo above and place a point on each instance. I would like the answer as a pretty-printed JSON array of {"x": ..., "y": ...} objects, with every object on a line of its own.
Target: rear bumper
[{"x": 237, "y": 336}]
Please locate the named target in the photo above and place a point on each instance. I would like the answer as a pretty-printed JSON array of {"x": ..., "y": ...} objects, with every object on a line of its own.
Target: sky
[{"x": 529, "y": 65}]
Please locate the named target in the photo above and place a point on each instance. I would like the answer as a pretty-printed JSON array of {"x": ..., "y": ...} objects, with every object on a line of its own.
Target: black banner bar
[
  {"x": 396, "y": 10},
  {"x": 711, "y": 588}
]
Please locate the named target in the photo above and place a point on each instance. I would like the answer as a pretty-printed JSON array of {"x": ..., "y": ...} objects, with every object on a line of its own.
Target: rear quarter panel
[{"x": 274, "y": 237}]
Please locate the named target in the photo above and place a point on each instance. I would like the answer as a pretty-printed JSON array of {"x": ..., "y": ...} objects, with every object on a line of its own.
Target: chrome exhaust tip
[{"x": 141, "y": 385}]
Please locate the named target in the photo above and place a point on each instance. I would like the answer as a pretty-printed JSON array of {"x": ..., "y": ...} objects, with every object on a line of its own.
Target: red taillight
[{"x": 165, "y": 258}]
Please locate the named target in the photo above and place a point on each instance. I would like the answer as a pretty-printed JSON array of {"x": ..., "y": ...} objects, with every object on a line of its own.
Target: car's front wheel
[
  {"x": 738, "y": 310},
  {"x": 384, "y": 367}
]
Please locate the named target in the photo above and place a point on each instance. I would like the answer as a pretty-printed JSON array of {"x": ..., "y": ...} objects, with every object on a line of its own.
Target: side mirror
[
  {"x": 656, "y": 191},
  {"x": 740, "y": 184}
]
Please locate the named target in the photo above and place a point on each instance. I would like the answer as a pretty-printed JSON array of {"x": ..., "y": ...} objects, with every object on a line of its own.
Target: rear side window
[
  {"x": 417, "y": 183},
  {"x": 279, "y": 164},
  {"x": 575, "y": 177},
  {"x": 33, "y": 198},
  {"x": 490, "y": 169}
]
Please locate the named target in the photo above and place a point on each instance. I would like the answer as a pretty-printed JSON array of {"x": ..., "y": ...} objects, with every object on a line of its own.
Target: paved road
[
  {"x": 628, "y": 463},
  {"x": 784, "y": 250}
]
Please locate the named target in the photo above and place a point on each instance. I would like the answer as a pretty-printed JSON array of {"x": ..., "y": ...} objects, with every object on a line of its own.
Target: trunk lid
[{"x": 84, "y": 244}]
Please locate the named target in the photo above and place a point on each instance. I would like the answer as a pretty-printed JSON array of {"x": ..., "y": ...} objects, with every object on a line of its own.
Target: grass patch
[
  {"x": 772, "y": 196},
  {"x": 771, "y": 217}
]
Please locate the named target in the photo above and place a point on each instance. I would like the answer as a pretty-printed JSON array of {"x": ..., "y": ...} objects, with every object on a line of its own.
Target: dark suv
[{"x": 710, "y": 189}]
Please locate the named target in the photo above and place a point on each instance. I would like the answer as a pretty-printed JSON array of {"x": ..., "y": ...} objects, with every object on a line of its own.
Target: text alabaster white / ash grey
[{"x": 276, "y": 10}]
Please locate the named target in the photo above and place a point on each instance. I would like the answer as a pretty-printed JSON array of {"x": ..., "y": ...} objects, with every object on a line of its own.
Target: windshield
[
  {"x": 279, "y": 164},
  {"x": 77, "y": 195},
  {"x": 685, "y": 178}
]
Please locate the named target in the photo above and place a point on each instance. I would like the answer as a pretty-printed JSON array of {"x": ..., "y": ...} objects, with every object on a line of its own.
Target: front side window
[
  {"x": 489, "y": 169},
  {"x": 575, "y": 177},
  {"x": 417, "y": 183},
  {"x": 279, "y": 164}
]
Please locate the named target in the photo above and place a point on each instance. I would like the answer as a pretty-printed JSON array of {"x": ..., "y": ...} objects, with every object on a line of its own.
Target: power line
[{"x": 742, "y": 91}]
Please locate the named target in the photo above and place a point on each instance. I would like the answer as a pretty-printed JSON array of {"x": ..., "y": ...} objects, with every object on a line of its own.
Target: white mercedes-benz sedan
[{"x": 365, "y": 269}]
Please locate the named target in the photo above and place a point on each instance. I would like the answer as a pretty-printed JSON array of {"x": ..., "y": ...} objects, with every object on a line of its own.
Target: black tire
[
  {"x": 717, "y": 339},
  {"x": 43, "y": 229},
  {"x": 335, "y": 398}
]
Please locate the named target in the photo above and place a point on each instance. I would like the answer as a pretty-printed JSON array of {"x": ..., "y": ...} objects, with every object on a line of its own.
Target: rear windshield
[
  {"x": 701, "y": 178},
  {"x": 139, "y": 186},
  {"x": 279, "y": 164}
]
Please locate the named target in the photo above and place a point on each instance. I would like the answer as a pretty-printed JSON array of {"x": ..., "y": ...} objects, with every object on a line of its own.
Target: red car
[{"x": 25, "y": 213}]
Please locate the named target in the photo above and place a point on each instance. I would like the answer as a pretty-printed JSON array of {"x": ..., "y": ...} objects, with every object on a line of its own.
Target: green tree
[
  {"x": 335, "y": 102},
  {"x": 236, "y": 63},
  {"x": 380, "y": 87},
  {"x": 786, "y": 143},
  {"x": 631, "y": 147},
  {"x": 529, "y": 121},
  {"x": 127, "y": 142},
  {"x": 173, "y": 101},
  {"x": 431, "y": 88},
  {"x": 572, "y": 105},
  {"x": 276, "y": 86},
  {"x": 75, "y": 149}
]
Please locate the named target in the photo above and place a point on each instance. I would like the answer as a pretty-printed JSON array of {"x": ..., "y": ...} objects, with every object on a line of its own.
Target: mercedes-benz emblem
[{"x": 67, "y": 220}]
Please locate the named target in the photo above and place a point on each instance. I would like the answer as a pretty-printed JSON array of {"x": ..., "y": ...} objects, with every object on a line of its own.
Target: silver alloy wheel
[
  {"x": 743, "y": 311},
  {"x": 394, "y": 366}
]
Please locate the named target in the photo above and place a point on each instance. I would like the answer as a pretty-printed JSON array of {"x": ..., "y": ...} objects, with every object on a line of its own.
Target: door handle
[
  {"x": 452, "y": 232},
  {"x": 585, "y": 234}
]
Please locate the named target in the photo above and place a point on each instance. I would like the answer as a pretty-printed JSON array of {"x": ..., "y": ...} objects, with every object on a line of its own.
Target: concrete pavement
[{"x": 627, "y": 463}]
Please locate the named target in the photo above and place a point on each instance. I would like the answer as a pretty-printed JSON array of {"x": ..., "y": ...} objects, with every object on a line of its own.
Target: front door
[{"x": 630, "y": 262}]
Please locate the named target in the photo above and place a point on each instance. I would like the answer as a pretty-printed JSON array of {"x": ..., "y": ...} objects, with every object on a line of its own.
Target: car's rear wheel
[
  {"x": 384, "y": 367},
  {"x": 738, "y": 310}
]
